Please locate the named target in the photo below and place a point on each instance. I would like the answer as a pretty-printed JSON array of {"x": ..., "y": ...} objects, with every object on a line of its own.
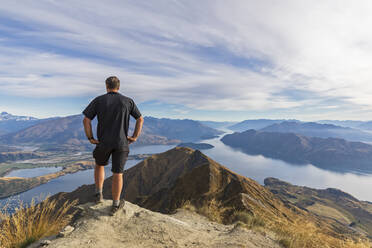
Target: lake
[
  {"x": 69, "y": 182},
  {"x": 260, "y": 167},
  {"x": 255, "y": 167},
  {"x": 35, "y": 172}
]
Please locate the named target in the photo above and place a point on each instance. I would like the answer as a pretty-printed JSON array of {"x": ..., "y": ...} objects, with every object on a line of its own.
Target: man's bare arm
[
  {"x": 137, "y": 130},
  {"x": 88, "y": 130}
]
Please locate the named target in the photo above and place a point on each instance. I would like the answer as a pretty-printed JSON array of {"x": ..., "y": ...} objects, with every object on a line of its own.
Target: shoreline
[{"x": 23, "y": 184}]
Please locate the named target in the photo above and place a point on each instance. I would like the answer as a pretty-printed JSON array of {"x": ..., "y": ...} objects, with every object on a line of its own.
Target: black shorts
[{"x": 119, "y": 157}]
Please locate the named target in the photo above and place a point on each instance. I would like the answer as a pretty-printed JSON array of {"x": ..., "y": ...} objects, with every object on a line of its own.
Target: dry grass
[
  {"x": 249, "y": 221},
  {"x": 213, "y": 210},
  {"x": 31, "y": 223},
  {"x": 300, "y": 232},
  {"x": 305, "y": 234}
]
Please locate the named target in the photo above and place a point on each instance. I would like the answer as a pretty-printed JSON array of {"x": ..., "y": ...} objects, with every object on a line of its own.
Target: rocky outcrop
[{"x": 137, "y": 227}]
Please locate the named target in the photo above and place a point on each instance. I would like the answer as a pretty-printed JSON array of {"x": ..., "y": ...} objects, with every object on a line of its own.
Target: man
[{"x": 113, "y": 111}]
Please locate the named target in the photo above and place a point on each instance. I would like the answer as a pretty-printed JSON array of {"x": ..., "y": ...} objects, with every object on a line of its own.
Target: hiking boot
[
  {"x": 98, "y": 198},
  {"x": 115, "y": 209}
]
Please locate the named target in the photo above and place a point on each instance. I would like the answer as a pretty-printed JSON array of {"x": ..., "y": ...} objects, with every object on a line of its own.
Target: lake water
[
  {"x": 255, "y": 167},
  {"x": 259, "y": 168},
  {"x": 33, "y": 172},
  {"x": 69, "y": 182}
]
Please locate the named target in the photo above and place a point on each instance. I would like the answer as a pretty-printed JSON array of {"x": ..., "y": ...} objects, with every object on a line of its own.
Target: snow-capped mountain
[
  {"x": 11, "y": 123},
  {"x": 5, "y": 116}
]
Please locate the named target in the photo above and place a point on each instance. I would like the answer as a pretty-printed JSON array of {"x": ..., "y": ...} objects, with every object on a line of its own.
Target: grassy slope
[{"x": 332, "y": 204}]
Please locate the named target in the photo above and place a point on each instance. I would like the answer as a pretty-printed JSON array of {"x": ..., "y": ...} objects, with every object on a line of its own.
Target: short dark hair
[{"x": 112, "y": 83}]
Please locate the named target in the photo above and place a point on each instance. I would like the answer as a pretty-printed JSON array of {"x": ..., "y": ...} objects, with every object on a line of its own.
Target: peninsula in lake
[
  {"x": 196, "y": 146},
  {"x": 327, "y": 153}
]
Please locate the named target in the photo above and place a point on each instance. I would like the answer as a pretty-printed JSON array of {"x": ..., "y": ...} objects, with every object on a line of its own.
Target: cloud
[{"x": 207, "y": 55}]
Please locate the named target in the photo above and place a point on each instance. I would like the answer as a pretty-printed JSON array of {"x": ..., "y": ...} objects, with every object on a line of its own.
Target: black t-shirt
[{"x": 113, "y": 111}]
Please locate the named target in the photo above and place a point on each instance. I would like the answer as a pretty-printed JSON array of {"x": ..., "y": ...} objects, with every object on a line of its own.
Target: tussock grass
[
  {"x": 305, "y": 234},
  {"x": 250, "y": 221},
  {"x": 295, "y": 232},
  {"x": 213, "y": 210},
  {"x": 31, "y": 223},
  {"x": 188, "y": 206}
]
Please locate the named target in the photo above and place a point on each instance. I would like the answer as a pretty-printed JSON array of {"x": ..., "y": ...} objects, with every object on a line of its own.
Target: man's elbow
[
  {"x": 140, "y": 119},
  {"x": 86, "y": 120}
]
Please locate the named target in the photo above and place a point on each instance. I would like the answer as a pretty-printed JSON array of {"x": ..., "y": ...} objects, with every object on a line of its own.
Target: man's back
[{"x": 113, "y": 111}]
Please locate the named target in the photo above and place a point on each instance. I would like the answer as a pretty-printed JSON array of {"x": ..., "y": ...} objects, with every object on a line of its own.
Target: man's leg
[
  {"x": 99, "y": 178},
  {"x": 119, "y": 158},
  {"x": 117, "y": 185}
]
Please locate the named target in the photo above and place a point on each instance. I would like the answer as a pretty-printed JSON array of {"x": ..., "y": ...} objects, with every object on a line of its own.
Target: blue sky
[{"x": 206, "y": 60}]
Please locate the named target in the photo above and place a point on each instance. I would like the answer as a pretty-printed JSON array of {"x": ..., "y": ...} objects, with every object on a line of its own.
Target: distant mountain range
[
  {"x": 185, "y": 130},
  {"x": 56, "y": 134},
  {"x": 254, "y": 124},
  {"x": 331, "y": 153},
  {"x": 344, "y": 123},
  {"x": 67, "y": 133},
  {"x": 262, "y": 123},
  {"x": 314, "y": 129},
  {"x": 364, "y": 125},
  {"x": 218, "y": 124},
  {"x": 12, "y": 123}
]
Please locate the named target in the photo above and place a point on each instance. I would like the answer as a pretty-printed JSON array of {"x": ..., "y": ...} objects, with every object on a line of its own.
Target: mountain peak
[
  {"x": 164, "y": 181},
  {"x": 5, "y": 116}
]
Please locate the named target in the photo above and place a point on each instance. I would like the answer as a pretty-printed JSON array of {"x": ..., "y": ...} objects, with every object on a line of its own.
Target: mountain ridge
[
  {"x": 314, "y": 129},
  {"x": 67, "y": 133}
]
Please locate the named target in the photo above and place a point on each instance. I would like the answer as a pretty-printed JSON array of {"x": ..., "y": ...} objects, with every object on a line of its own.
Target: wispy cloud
[{"x": 206, "y": 55}]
